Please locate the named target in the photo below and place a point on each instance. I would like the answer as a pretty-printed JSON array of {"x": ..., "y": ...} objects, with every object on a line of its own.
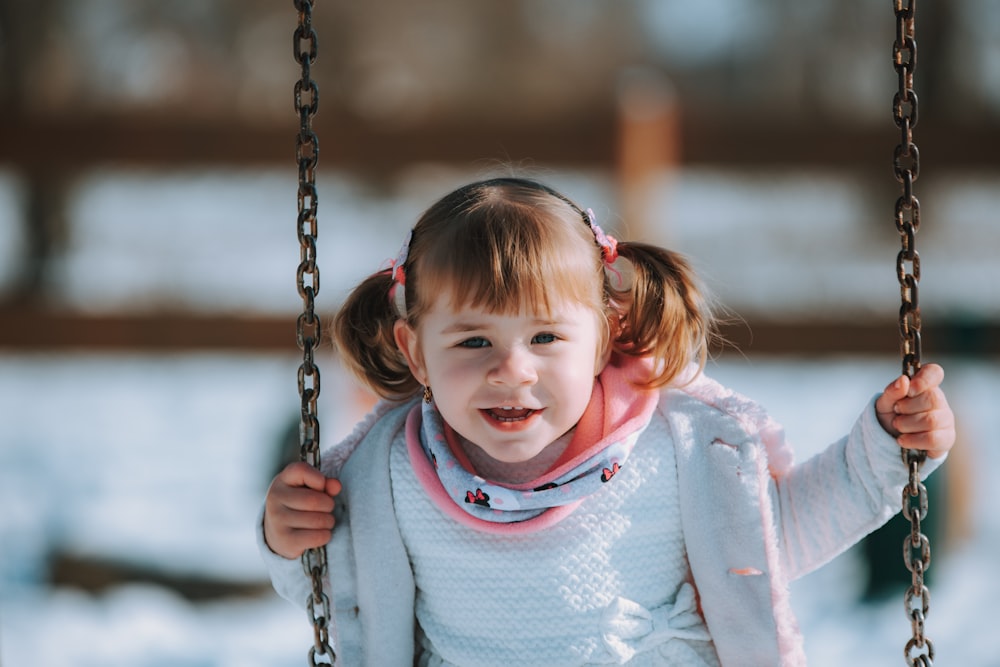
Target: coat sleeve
[
  {"x": 287, "y": 575},
  {"x": 753, "y": 520},
  {"x": 369, "y": 581},
  {"x": 828, "y": 503}
]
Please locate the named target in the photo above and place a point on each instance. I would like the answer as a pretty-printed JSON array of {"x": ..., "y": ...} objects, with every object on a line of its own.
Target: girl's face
[{"x": 511, "y": 384}]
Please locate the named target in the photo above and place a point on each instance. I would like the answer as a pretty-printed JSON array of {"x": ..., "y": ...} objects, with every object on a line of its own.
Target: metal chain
[
  {"x": 309, "y": 328},
  {"x": 919, "y": 650}
]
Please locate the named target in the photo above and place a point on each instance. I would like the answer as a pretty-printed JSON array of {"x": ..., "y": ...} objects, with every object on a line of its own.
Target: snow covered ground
[{"x": 162, "y": 460}]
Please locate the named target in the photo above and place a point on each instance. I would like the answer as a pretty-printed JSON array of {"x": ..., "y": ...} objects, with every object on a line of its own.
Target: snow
[{"x": 163, "y": 460}]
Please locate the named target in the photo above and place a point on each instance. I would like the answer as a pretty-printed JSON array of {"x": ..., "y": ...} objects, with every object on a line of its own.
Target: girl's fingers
[
  {"x": 305, "y": 500},
  {"x": 894, "y": 392},
  {"x": 301, "y": 473},
  {"x": 308, "y": 539},
  {"x": 935, "y": 443},
  {"x": 309, "y": 521},
  {"x": 931, "y": 430},
  {"x": 923, "y": 422},
  {"x": 927, "y": 378},
  {"x": 924, "y": 402}
]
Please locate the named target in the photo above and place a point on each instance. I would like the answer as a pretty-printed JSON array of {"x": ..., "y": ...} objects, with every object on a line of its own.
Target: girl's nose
[{"x": 512, "y": 367}]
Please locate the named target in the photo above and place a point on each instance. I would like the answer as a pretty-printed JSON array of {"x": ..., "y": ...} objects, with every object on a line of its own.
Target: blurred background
[{"x": 148, "y": 256}]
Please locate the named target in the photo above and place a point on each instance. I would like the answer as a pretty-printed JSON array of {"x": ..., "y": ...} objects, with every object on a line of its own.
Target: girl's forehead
[{"x": 557, "y": 307}]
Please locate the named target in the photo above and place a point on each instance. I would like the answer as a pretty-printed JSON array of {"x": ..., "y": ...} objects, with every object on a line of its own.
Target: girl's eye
[
  {"x": 544, "y": 338},
  {"x": 476, "y": 342}
]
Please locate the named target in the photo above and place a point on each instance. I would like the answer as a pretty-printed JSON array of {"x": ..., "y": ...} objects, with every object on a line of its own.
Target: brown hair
[{"x": 507, "y": 243}]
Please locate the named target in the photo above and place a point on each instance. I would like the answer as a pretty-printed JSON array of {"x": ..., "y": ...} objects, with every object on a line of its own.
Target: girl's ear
[{"x": 409, "y": 345}]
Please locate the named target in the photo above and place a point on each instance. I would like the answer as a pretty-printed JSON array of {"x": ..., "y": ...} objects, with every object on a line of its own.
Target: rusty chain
[
  {"x": 919, "y": 650},
  {"x": 309, "y": 328}
]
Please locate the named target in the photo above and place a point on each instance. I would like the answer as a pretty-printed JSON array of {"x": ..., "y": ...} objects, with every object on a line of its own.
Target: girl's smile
[
  {"x": 511, "y": 415},
  {"x": 512, "y": 384}
]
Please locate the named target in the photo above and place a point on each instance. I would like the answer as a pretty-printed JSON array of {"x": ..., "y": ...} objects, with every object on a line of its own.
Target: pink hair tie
[
  {"x": 609, "y": 244},
  {"x": 397, "y": 292}
]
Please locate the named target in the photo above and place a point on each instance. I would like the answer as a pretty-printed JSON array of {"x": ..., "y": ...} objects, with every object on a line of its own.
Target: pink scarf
[{"x": 604, "y": 437}]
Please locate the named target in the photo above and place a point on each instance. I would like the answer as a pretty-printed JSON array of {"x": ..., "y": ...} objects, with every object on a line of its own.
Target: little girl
[{"x": 551, "y": 480}]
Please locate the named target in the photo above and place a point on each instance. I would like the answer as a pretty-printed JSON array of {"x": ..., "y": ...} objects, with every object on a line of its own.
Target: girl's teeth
[{"x": 510, "y": 413}]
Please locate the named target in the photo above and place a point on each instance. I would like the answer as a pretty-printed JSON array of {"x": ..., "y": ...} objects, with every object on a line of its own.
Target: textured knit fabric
[
  {"x": 582, "y": 591},
  {"x": 750, "y": 520}
]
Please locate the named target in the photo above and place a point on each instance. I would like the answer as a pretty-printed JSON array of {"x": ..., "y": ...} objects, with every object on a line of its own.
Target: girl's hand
[
  {"x": 298, "y": 510},
  {"x": 916, "y": 412}
]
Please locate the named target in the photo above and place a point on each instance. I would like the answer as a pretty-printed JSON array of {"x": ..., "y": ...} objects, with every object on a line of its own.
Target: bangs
[{"x": 506, "y": 258}]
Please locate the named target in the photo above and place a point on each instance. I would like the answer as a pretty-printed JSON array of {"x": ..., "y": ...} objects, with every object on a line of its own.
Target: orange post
[{"x": 649, "y": 150}]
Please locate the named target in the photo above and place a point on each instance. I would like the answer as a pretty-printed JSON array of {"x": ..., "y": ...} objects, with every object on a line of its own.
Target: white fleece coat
[{"x": 752, "y": 522}]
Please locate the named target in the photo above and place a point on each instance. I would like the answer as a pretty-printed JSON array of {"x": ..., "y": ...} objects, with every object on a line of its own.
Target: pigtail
[
  {"x": 363, "y": 329},
  {"x": 662, "y": 312}
]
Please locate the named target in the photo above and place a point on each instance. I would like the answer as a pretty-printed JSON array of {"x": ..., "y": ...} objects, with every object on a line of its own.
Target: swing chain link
[
  {"x": 919, "y": 651},
  {"x": 309, "y": 328}
]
